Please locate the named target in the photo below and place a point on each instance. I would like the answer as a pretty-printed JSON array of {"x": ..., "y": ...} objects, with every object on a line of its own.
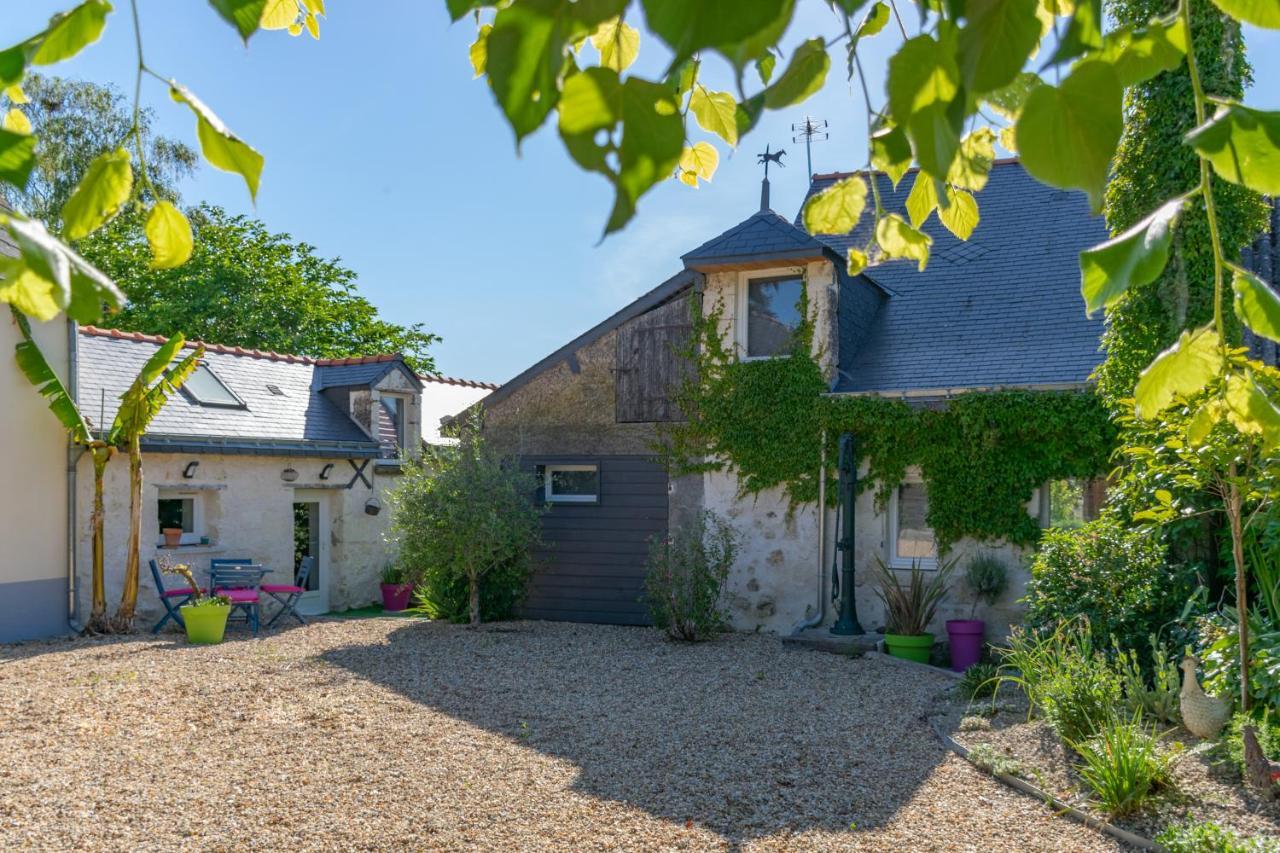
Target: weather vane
[{"x": 766, "y": 158}]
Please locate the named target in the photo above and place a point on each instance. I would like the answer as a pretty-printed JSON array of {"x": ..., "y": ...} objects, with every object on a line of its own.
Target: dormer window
[
  {"x": 206, "y": 389},
  {"x": 769, "y": 314},
  {"x": 391, "y": 416}
]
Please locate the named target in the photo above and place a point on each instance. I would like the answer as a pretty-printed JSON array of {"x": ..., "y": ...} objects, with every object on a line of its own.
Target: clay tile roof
[{"x": 464, "y": 383}]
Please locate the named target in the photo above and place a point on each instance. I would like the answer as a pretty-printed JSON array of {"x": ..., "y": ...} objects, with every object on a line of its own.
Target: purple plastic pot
[
  {"x": 966, "y": 642},
  {"x": 395, "y": 596}
]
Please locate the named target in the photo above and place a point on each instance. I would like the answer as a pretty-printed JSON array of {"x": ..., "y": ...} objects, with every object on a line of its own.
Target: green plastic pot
[
  {"x": 914, "y": 647},
  {"x": 205, "y": 623}
]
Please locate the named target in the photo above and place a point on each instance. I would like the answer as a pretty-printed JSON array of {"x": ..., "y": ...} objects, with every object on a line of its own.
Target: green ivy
[{"x": 982, "y": 456}]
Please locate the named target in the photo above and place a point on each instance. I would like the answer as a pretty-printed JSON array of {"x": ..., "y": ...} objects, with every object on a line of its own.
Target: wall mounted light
[
  {"x": 190, "y": 470},
  {"x": 324, "y": 472},
  {"x": 288, "y": 475}
]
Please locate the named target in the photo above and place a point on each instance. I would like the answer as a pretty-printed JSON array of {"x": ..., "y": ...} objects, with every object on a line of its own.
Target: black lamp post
[{"x": 847, "y": 624}]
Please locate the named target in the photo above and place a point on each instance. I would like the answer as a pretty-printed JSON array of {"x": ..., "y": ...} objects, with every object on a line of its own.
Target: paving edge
[{"x": 1026, "y": 787}]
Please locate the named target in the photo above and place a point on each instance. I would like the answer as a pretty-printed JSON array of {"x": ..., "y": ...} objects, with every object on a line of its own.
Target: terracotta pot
[{"x": 172, "y": 537}]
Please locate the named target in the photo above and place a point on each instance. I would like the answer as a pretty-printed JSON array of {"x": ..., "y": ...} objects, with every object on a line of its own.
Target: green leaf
[
  {"x": 742, "y": 30},
  {"x": 923, "y": 82},
  {"x": 1084, "y": 32},
  {"x": 1142, "y": 54},
  {"x": 16, "y": 121},
  {"x": 618, "y": 44},
  {"x": 836, "y": 209},
  {"x": 40, "y": 373},
  {"x": 13, "y": 64},
  {"x": 1251, "y": 411},
  {"x": 169, "y": 234},
  {"x": 891, "y": 152},
  {"x": 70, "y": 32},
  {"x": 458, "y": 8},
  {"x": 1133, "y": 258},
  {"x": 222, "y": 148},
  {"x": 1260, "y": 13},
  {"x": 279, "y": 15},
  {"x": 1067, "y": 134},
  {"x": 17, "y": 157},
  {"x": 1182, "y": 370},
  {"x": 857, "y": 262},
  {"x": 103, "y": 190},
  {"x": 479, "y": 50},
  {"x": 716, "y": 112},
  {"x": 71, "y": 282},
  {"x": 244, "y": 15},
  {"x": 1256, "y": 304},
  {"x": 36, "y": 297},
  {"x": 1243, "y": 145},
  {"x": 876, "y": 19},
  {"x": 1007, "y": 101},
  {"x": 805, "y": 74},
  {"x": 996, "y": 41},
  {"x": 923, "y": 198},
  {"x": 960, "y": 216},
  {"x": 897, "y": 239},
  {"x": 969, "y": 171},
  {"x": 698, "y": 162}
]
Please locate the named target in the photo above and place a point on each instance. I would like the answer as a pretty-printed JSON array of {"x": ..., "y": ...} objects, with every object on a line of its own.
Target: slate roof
[
  {"x": 301, "y": 421},
  {"x": 1002, "y": 309},
  {"x": 362, "y": 373},
  {"x": 764, "y": 236}
]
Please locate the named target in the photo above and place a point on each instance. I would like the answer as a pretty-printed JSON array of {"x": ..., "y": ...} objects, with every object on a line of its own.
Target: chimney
[{"x": 764, "y": 194}]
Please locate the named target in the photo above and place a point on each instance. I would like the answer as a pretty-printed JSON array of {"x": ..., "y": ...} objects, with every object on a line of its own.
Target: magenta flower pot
[
  {"x": 395, "y": 596},
  {"x": 966, "y": 637}
]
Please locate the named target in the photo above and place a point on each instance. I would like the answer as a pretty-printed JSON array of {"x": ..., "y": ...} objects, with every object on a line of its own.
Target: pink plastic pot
[
  {"x": 395, "y": 596},
  {"x": 966, "y": 637}
]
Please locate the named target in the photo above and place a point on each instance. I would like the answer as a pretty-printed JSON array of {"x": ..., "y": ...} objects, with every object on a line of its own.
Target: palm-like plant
[
  {"x": 142, "y": 401},
  {"x": 909, "y": 608}
]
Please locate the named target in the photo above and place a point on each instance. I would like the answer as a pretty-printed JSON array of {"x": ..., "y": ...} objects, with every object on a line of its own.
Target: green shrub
[
  {"x": 1115, "y": 578},
  {"x": 445, "y": 596},
  {"x": 1124, "y": 766},
  {"x": 987, "y": 578},
  {"x": 1069, "y": 682},
  {"x": 1155, "y": 695},
  {"x": 1220, "y": 656},
  {"x": 1209, "y": 837},
  {"x": 686, "y": 575},
  {"x": 979, "y": 681}
]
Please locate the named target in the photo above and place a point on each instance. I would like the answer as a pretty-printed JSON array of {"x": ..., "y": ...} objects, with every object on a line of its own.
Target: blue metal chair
[
  {"x": 242, "y": 584},
  {"x": 290, "y": 592},
  {"x": 172, "y": 599}
]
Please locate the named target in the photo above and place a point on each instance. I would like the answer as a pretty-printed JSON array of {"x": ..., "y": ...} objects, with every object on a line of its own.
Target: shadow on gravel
[{"x": 739, "y": 735}]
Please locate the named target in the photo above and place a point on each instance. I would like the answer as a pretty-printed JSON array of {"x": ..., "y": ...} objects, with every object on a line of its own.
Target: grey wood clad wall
[
  {"x": 649, "y": 366},
  {"x": 593, "y": 567}
]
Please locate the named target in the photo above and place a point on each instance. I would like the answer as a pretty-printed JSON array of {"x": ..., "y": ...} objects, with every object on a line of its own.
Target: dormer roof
[{"x": 760, "y": 240}]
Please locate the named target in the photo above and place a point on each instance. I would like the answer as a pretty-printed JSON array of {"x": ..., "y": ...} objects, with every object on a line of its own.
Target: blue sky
[{"x": 383, "y": 151}]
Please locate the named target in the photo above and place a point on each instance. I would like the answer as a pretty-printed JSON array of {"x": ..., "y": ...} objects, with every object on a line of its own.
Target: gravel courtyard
[{"x": 404, "y": 734}]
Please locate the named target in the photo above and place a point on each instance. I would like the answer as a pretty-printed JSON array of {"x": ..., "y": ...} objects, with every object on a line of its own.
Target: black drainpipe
[{"x": 842, "y": 585}]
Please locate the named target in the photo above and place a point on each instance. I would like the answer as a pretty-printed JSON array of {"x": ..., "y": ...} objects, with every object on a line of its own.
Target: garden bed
[{"x": 1207, "y": 786}]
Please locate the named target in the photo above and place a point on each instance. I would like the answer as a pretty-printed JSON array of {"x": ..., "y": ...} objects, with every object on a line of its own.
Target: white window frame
[
  {"x": 402, "y": 402},
  {"x": 743, "y": 303},
  {"x": 891, "y": 533},
  {"x": 197, "y": 514},
  {"x": 552, "y": 498}
]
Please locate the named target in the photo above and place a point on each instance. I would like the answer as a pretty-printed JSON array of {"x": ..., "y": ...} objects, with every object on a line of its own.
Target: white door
[{"x": 311, "y": 539}]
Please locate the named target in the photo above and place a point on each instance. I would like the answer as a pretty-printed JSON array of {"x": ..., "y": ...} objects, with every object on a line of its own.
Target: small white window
[
  {"x": 770, "y": 314},
  {"x": 183, "y": 512},
  {"x": 571, "y": 483},
  {"x": 205, "y": 388},
  {"x": 910, "y": 537}
]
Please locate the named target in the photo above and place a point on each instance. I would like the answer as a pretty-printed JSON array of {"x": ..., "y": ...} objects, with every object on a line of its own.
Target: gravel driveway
[{"x": 395, "y": 733}]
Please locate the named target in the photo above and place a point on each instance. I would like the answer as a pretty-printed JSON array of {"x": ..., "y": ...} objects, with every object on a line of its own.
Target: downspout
[
  {"x": 73, "y": 457},
  {"x": 820, "y": 612}
]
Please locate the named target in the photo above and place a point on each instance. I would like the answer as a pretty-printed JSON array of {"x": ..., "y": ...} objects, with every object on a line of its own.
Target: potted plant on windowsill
[
  {"x": 396, "y": 590},
  {"x": 204, "y": 616},
  {"x": 909, "y": 608},
  {"x": 986, "y": 578},
  {"x": 172, "y": 536}
]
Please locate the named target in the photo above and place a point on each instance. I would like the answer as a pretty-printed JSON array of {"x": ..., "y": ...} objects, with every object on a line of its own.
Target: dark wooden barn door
[
  {"x": 650, "y": 363},
  {"x": 593, "y": 567}
]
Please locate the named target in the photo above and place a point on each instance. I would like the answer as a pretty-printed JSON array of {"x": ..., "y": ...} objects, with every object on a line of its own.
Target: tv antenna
[{"x": 807, "y": 131}]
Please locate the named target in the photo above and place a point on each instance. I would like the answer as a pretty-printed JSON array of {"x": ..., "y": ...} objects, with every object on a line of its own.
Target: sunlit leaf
[
  {"x": 618, "y": 43},
  {"x": 16, "y": 121},
  {"x": 836, "y": 209},
  {"x": 1243, "y": 145},
  {"x": 1007, "y": 101},
  {"x": 13, "y": 64},
  {"x": 33, "y": 295},
  {"x": 857, "y": 262},
  {"x": 804, "y": 75},
  {"x": 169, "y": 234},
  {"x": 960, "y": 216},
  {"x": 222, "y": 148},
  {"x": 876, "y": 19},
  {"x": 1084, "y": 32},
  {"x": 244, "y": 15},
  {"x": 973, "y": 165},
  {"x": 1133, "y": 258},
  {"x": 996, "y": 41},
  {"x": 313, "y": 25},
  {"x": 923, "y": 81},
  {"x": 1256, "y": 304},
  {"x": 1067, "y": 134},
  {"x": 44, "y": 379},
  {"x": 77, "y": 286},
  {"x": 15, "y": 95},
  {"x": 1141, "y": 54},
  {"x": 1009, "y": 139},
  {"x": 98, "y": 197},
  {"x": 70, "y": 32},
  {"x": 1180, "y": 371},
  {"x": 742, "y": 30},
  {"x": 765, "y": 66},
  {"x": 897, "y": 239},
  {"x": 891, "y": 152},
  {"x": 698, "y": 162},
  {"x": 1260, "y": 13},
  {"x": 279, "y": 14},
  {"x": 17, "y": 157},
  {"x": 923, "y": 198},
  {"x": 716, "y": 112},
  {"x": 1251, "y": 411},
  {"x": 479, "y": 49}
]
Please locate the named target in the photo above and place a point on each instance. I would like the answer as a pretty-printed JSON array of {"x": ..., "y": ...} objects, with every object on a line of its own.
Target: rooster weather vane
[{"x": 766, "y": 158}]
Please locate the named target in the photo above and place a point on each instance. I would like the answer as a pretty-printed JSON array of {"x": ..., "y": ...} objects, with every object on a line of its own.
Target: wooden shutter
[{"x": 650, "y": 365}]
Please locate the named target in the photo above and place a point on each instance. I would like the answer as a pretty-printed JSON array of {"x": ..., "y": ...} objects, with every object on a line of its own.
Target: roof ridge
[
  {"x": 830, "y": 176},
  {"x": 224, "y": 349},
  {"x": 453, "y": 380}
]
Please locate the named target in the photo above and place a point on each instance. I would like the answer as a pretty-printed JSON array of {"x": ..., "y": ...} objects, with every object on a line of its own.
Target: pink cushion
[
  {"x": 281, "y": 587},
  {"x": 239, "y": 596},
  {"x": 173, "y": 593}
]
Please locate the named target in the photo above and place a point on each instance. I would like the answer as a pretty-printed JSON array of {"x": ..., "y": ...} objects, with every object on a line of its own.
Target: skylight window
[{"x": 204, "y": 387}]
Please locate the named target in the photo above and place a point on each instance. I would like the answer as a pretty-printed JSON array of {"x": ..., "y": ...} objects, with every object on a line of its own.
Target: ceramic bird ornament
[{"x": 1203, "y": 715}]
